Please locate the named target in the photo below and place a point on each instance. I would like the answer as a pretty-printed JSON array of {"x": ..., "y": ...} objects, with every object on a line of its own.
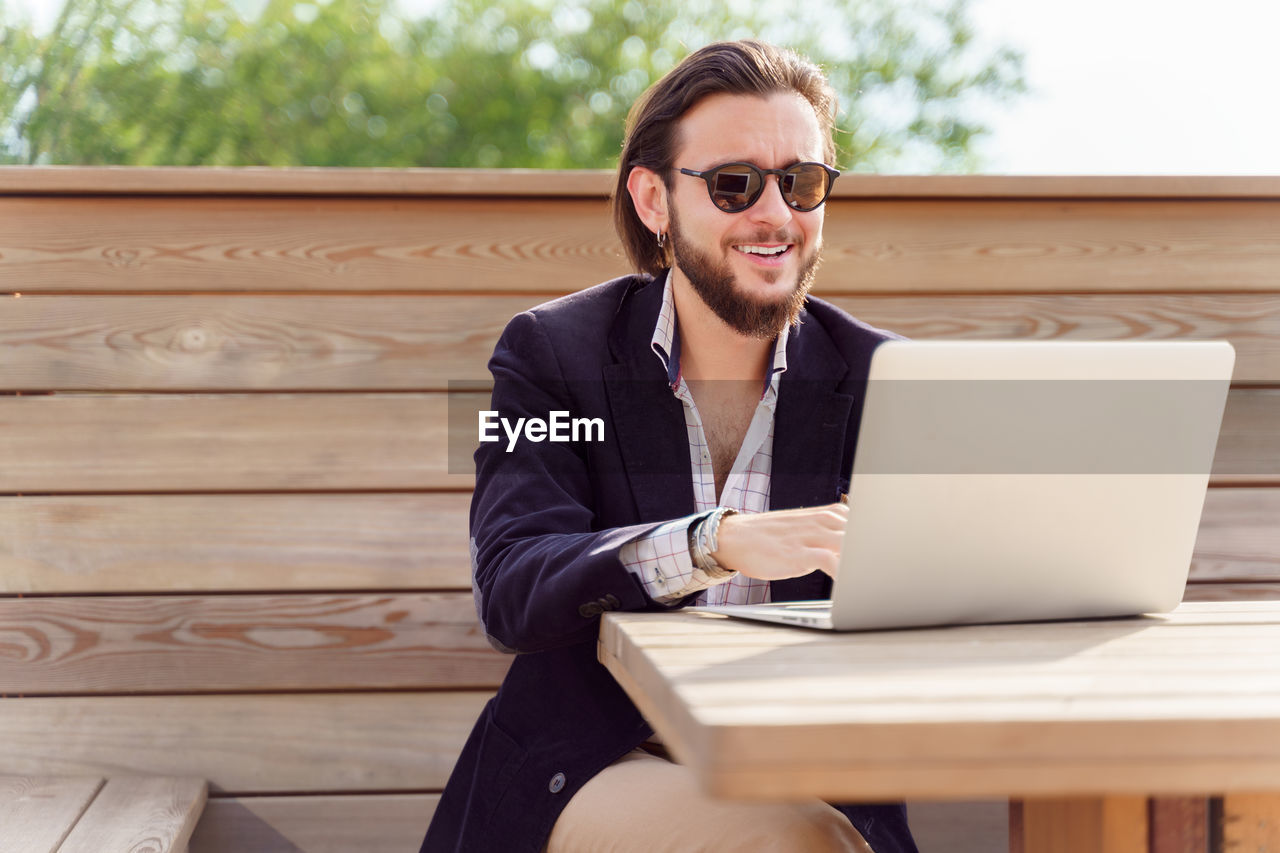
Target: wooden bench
[
  {"x": 94, "y": 815},
  {"x": 232, "y": 543}
]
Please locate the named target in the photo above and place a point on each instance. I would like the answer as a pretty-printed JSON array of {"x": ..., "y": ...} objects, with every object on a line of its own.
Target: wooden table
[
  {"x": 138, "y": 814},
  {"x": 1080, "y": 721}
]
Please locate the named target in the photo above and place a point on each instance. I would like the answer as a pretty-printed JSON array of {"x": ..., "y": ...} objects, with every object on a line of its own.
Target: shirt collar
[{"x": 666, "y": 342}]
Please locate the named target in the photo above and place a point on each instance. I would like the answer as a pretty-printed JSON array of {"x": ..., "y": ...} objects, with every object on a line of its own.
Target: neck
[{"x": 709, "y": 347}]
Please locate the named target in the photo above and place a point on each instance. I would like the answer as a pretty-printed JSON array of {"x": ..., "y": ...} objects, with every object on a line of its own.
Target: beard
[{"x": 714, "y": 283}]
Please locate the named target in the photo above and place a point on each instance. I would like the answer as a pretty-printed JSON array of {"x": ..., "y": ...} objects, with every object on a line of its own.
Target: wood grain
[
  {"x": 244, "y": 643},
  {"x": 928, "y": 245},
  {"x": 1250, "y": 321},
  {"x": 246, "y": 744},
  {"x": 255, "y": 180},
  {"x": 303, "y": 245},
  {"x": 233, "y": 343},
  {"x": 1017, "y": 828},
  {"x": 1177, "y": 704},
  {"x": 177, "y": 543},
  {"x": 425, "y": 341},
  {"x": 146, "y": 443},
  {"x": 139, "y": 815},
  {"x": 371, "y": 823},
  {"x": 1250, "y": 823},
  {"x": 1217, "y": 591},
  {"x": 36, "y": 813},
  {"x": 1239, "y": 538},
  {"x": 1179, "y": 825},
  {"x": 1049, "y": 246},
  {"x": 1103, "y": 824}
]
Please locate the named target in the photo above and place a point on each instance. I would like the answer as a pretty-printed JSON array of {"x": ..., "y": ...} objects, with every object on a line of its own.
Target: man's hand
[{"x": 785, "y": 543}]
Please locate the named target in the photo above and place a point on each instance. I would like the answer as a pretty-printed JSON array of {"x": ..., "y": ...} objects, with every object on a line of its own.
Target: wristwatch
[{"x": 704, "y": 541}]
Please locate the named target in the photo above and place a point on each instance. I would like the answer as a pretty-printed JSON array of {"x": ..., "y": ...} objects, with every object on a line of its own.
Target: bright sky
[
  {"x": 1122, "y": 86},
  {"x": 1139, "y": 86}
]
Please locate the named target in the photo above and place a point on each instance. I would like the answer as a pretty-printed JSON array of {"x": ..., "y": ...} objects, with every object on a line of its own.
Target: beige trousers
[{"x": 646, "y": 804}]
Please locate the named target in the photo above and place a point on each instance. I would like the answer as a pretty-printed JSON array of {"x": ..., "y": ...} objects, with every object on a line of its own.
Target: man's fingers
[
  {"x": 821, "y": 559},
  {"x": 836, "y": 516}
]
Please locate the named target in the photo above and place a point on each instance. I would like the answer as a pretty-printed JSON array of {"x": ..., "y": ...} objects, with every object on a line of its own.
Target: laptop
[{"x": 1009, "y": 481}]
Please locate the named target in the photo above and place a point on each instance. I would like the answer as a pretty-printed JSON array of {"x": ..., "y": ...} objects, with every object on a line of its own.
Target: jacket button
[
  {"x": 590, "y": 609},
  {"x": 557, "y": 783},
  {"x": 613, "y": 601}
]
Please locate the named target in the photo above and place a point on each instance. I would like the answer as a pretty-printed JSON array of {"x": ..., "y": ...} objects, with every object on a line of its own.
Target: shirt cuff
[{"x": 661, "y": 561}]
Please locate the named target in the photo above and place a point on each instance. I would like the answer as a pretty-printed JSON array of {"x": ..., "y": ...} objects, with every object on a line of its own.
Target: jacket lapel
[
  {"x": 811, "y": 423},
  {"x": 649, "y": 422},
  {"x": 647, "y": 417}
]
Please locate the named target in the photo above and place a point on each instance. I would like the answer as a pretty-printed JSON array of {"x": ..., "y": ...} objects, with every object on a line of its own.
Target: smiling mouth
[{"x": 763, "y": 251}]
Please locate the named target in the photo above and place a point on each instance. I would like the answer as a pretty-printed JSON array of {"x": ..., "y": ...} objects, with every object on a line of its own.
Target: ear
[{"x": 649, "y": 195}]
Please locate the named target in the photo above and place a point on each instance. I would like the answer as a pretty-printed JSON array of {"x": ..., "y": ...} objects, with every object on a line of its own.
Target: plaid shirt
[{"x": 661, "y": 559}]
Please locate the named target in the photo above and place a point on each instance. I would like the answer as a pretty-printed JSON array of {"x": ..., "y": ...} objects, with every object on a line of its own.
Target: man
[{"x": 724, "y": 388}]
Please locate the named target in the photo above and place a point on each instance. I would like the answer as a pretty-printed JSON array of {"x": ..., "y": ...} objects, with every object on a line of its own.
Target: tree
[{"x": 530, "y": 83}]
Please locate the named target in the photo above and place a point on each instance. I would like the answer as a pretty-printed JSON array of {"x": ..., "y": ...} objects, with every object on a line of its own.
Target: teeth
[{"x": 762, "y": 250}]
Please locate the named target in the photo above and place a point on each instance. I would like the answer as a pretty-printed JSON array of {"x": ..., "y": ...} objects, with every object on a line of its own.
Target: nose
[{"x": 770, "y": 209}]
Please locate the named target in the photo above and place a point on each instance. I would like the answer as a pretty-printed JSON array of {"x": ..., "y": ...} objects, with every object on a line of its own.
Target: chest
[{"x": 726, "y": 410}]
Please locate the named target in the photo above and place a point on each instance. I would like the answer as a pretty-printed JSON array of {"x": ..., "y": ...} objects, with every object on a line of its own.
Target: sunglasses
[{"x": 734, "y": 187}]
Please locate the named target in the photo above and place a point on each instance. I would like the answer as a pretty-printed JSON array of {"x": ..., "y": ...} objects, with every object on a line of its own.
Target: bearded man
[{"x": 731, "y": 400}]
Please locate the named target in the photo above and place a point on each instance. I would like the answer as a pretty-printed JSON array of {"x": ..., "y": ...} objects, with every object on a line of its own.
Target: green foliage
[{"x": 523, "y": 83}]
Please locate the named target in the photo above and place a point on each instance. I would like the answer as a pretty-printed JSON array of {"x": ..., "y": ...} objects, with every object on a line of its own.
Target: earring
[{"x": 662, "y": 239}]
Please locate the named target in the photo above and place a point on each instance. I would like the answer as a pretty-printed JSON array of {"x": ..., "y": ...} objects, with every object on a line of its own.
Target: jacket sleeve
[{"x": 543, "y": 571}]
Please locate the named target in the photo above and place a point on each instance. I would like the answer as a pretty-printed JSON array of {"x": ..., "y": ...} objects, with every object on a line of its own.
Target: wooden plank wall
[{"x": 231, "y": 543}]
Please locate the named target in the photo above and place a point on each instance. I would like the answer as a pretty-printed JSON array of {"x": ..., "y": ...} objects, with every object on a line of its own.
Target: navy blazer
[{"x": 548, "y": 519}]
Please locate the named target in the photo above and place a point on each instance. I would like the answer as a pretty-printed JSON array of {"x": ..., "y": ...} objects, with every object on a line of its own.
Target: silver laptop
[{"x": 1003, "y": 481}]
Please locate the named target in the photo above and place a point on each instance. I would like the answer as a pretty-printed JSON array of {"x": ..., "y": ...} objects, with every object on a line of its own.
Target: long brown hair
[{"x": 736, "y": 68}]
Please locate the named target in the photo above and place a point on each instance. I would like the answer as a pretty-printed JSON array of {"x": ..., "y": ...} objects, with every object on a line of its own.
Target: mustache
[{"x": 767, "y": 237}]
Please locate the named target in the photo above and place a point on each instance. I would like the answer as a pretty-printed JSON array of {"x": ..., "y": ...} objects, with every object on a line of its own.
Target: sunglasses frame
[{"x": 709, "y": 175}]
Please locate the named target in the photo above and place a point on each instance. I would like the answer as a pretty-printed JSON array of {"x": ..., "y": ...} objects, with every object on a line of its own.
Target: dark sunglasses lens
[
  {"x": 734, "y": 187},
  {"x": 805, "y": 185}
]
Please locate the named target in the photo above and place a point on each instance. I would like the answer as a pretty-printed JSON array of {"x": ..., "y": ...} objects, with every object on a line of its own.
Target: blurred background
[{"x": 927, "y": 86}]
